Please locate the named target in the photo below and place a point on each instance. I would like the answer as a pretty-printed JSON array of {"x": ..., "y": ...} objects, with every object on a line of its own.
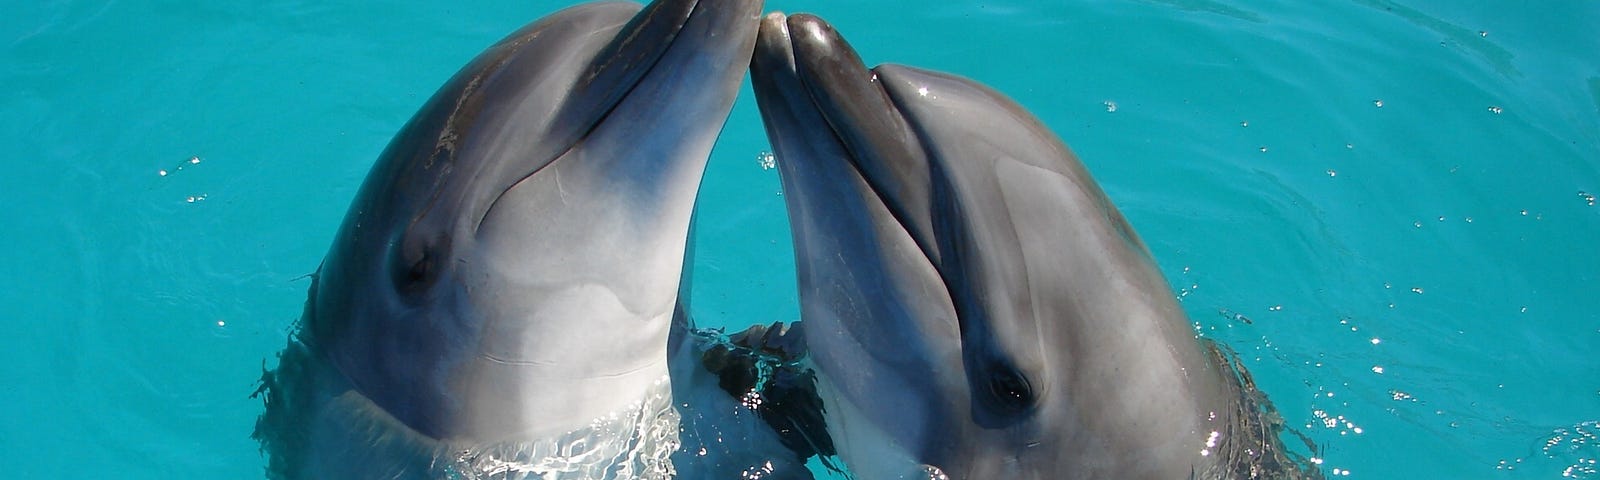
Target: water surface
[{"x": 1387, "y": 207}]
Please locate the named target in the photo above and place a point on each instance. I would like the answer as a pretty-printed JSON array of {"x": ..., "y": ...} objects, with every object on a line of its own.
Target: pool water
[{"x": 1387, "y": 207}]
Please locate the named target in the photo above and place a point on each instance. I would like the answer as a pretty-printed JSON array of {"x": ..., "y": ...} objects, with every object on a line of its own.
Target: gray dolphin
[
  {"x": 974, "y": 306},
  {"x": 499, "y": 299}
]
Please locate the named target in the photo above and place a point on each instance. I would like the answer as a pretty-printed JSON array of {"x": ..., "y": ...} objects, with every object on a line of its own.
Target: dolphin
[
  {"x": 974, "y": 306},
  {"x": 499, "y": 301}
]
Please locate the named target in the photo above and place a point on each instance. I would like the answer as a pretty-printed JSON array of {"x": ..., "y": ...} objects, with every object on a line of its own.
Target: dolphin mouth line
[
  {"x": 854, "y": 104},
  {"x": 606, "y": 60},
  {"x": 869, "y": 125}
]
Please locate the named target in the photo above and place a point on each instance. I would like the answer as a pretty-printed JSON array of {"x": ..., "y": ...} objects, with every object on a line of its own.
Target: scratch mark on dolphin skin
[
  {"x": 562, "y": 191},
  {"x": 520, "y": 363},
  {"x": 449, "y": 134}
]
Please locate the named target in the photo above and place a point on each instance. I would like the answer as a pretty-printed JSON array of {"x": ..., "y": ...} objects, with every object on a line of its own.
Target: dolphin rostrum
[
  {"x": 499, "y": 299},
  {"x": 974, "y": 306}
]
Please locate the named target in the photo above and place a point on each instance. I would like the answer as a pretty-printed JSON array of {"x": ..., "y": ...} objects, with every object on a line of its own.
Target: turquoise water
[{"x": 1385, "y": 206}]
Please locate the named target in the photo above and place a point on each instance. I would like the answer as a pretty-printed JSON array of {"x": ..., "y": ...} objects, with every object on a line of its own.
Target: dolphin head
[
  {"x": 974, "y": 304},
  {"x": 510, "y": 265}
]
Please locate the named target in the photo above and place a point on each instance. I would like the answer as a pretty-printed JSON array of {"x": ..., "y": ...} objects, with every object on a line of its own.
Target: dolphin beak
[{"x": 810, "y": 75}]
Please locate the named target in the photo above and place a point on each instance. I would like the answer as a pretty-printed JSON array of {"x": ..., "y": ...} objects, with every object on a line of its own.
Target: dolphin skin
[
  {"x": 974, "y": 306},
  {"x": 499, "y": 301}
]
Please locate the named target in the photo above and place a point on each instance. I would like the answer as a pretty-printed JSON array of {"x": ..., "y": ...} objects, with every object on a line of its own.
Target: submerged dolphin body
[
  {"x": 499, "y": 299},
  {"x": 974, "y": 305}
]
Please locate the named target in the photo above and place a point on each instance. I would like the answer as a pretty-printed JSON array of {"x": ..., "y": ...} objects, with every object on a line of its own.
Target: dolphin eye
[
  {"x": 416, "y": 266},
  {"x": 1010, "y": 389},
  {"x": 420, "y": 270}
]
